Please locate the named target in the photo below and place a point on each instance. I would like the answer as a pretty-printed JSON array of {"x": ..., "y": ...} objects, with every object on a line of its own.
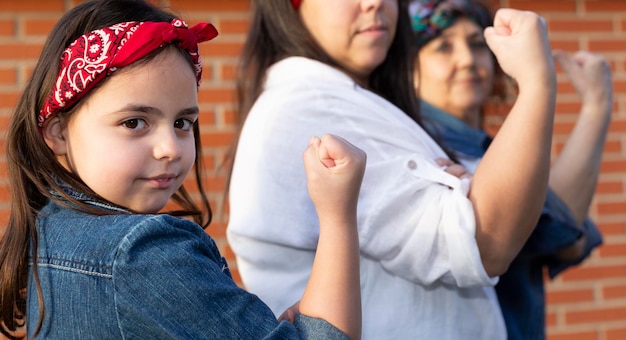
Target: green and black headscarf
[{"x": 430, "y": 17}]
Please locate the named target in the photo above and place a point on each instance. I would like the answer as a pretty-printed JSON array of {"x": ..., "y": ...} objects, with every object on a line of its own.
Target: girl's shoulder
[{"x": 78, "y": 237}]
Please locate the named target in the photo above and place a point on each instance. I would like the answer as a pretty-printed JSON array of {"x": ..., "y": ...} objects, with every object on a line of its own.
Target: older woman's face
[
  {"x": 356, "y": 33},
  {"x": 455, "y": 71}
]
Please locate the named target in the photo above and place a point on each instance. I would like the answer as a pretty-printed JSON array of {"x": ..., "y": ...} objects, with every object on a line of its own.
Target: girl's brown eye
[
  {"x": 135, "y": 124},
  {"x": 131, "y": 123},
  {"x": 183, "y": 124}
]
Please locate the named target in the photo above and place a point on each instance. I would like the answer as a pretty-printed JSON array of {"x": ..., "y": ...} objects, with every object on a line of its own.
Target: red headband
[
  {"x": 97, "y": 54},
  {"x": 296, "y": 3}
]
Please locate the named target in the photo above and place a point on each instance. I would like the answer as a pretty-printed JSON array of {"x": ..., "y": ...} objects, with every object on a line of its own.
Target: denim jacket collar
[
  {"x": 453, "y": 132},
  {"x": 82, "y": 197}
]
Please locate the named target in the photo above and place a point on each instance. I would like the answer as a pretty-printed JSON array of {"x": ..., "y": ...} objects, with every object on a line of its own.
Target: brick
[
  {"x": 232, "y": 26},
  {"x": 616, "y": 334},
  {"x": 617, "y": 228},
  {"x": 607, "y": 44},
  {"x": 7, "y": 27},
  {"x": 218, "y": 183},
  {"x": 569, "y": 296},
  {"x": 216, "y": 95},
  {"x": 31, "y": 6},
  {"x": 590, "y": 273},
  {"x": 217, "y": 230},
  {"x": 580, "y": 25},
  {"x": 604, "y": 6},
  {"x": 207, "y": 69},
  {"x": 619, "y": 86},
  {"x": 229, "y": 72},
  {"x": 210, "y": 5},
  {"x": 207, "y": 118},
  {"x": 564, "y": 128},
  {"x": 551, "y": 318},
  {"x": 609, "y": 187},
  {"x": 38, "y": 26},
  {"x": 617, "y": 126},
  {"x": 217, "y": 48},
  {"x": 209, "y": 161},
  {"x": 613, "y": 250},
  {"x": 5, "y": 193},
  {"x": 8, "y": 100},
  {"x": 20, "y": 51},
  {"x": 567, "y": 107},
  {"x": 217, "y": 138},
  {"x": 613, "y": 146},
  {"x": 565, "y": 87},
  {"x": 565, "y": 45},
  {"x": 596, "y": 315},
  {"x": 8, "y": 76},
  {"x": 229, "y": 117},
  {"x": 4, "y": 123},
  {"x": 573, "y": 335},
  {"x": 4, "y": 216},
  {"x": 544, "y": 5},
  {"x": 612, "y": 208},
  {"x": 614, "y": 291}
]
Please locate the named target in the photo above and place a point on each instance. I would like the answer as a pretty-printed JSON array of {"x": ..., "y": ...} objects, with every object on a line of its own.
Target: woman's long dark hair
[
  {"x": 276, "y": 32},
  {"x": 34, "y": 170}
]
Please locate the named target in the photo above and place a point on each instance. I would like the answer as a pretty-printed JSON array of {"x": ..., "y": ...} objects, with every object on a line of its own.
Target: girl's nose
[{"x": 166, "y": 145}]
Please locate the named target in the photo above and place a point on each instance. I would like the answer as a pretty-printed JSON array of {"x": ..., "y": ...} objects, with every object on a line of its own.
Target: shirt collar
[{"x": 453, "y": 132}]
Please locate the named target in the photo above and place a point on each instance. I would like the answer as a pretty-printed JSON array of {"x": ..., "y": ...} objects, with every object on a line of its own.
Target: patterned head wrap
[
  {"x": 97, "y": 54},
  {"x": 430, "y": 17}
]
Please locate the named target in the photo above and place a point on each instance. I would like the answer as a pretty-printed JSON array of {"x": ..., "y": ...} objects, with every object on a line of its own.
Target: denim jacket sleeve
[
  {"x": 557, "y": 229},
  {"x": 170, "y": 281}
]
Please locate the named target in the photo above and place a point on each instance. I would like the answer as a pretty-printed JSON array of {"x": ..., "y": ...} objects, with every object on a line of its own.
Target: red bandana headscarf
[
  {"x": 97, "y": 54},
  {"x": 296, "y": 4}
]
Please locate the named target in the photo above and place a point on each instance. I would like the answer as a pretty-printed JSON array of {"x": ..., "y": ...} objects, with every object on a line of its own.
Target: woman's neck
[{"x": 471, "y": 116}]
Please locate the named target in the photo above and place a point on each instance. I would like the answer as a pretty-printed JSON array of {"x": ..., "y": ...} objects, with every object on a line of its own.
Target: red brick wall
[{"x": 588, "y": 302}]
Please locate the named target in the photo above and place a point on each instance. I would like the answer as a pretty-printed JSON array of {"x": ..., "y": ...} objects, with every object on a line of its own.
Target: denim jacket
[
  {"x": 521, "y": 289},
  {"x": 129, "y": 276}
]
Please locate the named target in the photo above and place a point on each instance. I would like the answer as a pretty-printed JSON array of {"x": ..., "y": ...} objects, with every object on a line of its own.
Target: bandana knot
[{"x": 95, "y": 55}]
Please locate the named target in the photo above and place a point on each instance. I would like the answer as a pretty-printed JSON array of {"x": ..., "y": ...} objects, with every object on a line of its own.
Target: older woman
[{"x": 455, "y": 76}]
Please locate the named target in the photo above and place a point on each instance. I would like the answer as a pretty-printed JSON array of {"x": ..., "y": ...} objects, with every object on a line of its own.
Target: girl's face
[
  {"x": 455, "y": 71},
  {"x": 131, "y": 141},
  {"x": 356, "y": 33}
]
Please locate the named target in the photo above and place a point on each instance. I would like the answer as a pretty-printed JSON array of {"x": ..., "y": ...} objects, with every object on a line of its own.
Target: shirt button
[{"x": 412, "y": 165}]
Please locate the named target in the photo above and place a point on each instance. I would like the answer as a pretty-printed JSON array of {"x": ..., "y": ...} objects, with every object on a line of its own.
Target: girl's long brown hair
[{"x": 34, "y": 171}]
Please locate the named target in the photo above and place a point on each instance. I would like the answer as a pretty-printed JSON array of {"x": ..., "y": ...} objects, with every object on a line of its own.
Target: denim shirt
[
  {"x": 521, "y": 289},
  {"x": 129, "y": 276}
]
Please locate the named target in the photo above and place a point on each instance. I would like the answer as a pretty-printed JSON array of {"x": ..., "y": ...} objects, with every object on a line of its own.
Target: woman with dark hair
[
  {"x": 432, "y": 240},
  {"x": 456, "y": 76}
]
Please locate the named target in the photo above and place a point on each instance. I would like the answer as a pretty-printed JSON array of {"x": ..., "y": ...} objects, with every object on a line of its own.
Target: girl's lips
[{"x": 163, "y": 181}]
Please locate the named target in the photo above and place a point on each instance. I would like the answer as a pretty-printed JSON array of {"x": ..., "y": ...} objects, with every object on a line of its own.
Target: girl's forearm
[{"x": 333, "y": 292}]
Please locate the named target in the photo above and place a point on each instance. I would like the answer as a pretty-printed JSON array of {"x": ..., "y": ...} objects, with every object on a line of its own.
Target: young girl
[
  {"x": 432, "y": 245},
  {"x": 103, "y": 137}
]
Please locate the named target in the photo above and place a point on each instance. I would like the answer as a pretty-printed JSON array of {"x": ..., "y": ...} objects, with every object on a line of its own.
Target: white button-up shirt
[{"x": 421, "y": 272}]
